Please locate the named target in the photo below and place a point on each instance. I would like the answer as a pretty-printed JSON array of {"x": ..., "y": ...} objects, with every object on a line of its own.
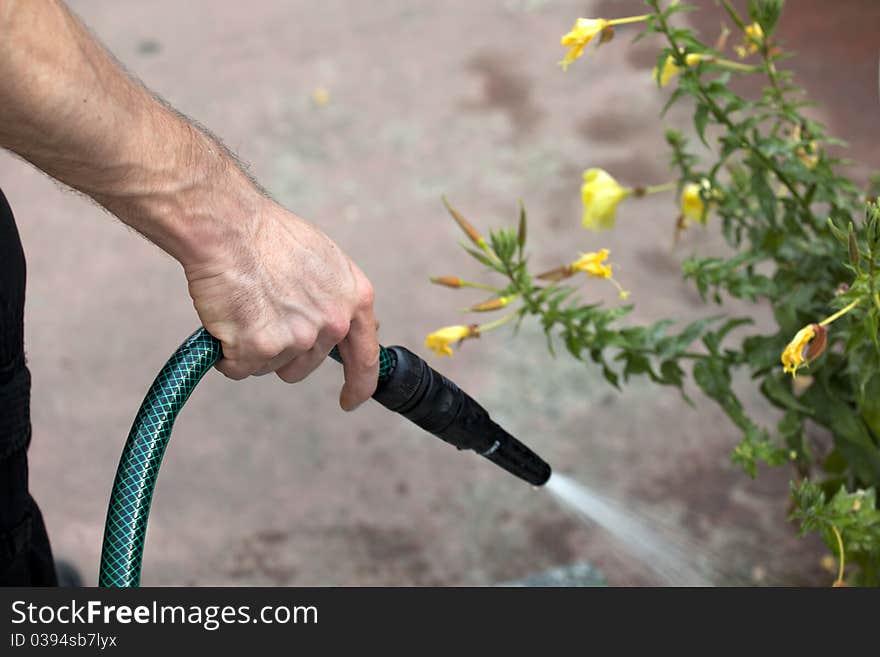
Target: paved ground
[{"x": 270, "y": 484}]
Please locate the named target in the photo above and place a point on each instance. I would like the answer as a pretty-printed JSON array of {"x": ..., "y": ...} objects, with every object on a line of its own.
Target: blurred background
[{"x": 358, "y": 116}]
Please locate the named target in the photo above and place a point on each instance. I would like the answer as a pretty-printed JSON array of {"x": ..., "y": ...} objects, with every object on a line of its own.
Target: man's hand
[
  {"x": 276, "y": 291},
  {"x": 281, "y": 297}
]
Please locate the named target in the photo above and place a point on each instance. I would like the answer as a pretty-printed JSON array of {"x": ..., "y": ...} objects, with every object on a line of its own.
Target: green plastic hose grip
[{"x": 129, "y": 510}]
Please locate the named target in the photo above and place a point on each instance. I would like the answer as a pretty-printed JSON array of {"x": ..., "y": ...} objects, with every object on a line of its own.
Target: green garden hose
[{"x": 407, "y": 385}]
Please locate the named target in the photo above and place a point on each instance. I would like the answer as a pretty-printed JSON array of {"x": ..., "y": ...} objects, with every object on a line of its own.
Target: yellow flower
[
  {"x": 802, "y": 350},
  {"x": 584, "y": 31},
  {"x": 440, "y": 340},
  {"x": 591, "y": 263},
  {"x": 601, "y": 195},
  {"x": 753, "y": 37},
  {"x": 320, "y": 96},
  {"x": 692, "y": 205},
  {"x": 671, "y": 69}
]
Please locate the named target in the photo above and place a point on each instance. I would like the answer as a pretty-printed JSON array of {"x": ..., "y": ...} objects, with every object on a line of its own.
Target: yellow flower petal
[
  {"x": 439, "y": 340},
  {"x": 754, "y": 35},
  {"x": 692, "y": 205},
  {"x": 601, "y": 195},
  {"x": 671, "y": 69},
  {"x": 793, "y": 354},
  {"x": 584, "y": 31},
  {"x": 591, "y": 264}
]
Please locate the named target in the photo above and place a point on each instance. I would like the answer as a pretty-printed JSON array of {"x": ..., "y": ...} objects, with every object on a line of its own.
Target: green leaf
[
  {"x": 853, "y": 245},
  {"x": 714, "y": 339},
  {"x": 521, "y": 232},
  {"x": 701, "y": 115},
  {"x": 870, "y": 405},
  {"x": 764, "y": 193},
  {"x": 713, "y": 378},
  {"x": 477, "y": 255},
  {"x": 766, "y": 13},
  {"x": 674, "y": 97}
]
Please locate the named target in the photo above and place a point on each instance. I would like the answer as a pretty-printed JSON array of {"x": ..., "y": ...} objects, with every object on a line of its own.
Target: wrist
[{"x": 191, "y": 199}]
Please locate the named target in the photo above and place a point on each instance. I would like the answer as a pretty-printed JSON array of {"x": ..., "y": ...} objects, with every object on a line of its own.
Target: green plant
[{"x": 766, "y": 179}]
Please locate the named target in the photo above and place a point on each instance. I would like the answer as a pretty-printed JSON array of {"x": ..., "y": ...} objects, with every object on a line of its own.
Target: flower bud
[
  {"x": 492, "y": 304},
  {"x": 447, "y": 281},
  {"x": 472, "y": 233}
]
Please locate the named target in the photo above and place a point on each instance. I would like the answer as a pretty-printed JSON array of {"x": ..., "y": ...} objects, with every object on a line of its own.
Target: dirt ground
[{"x": 270, "y": 484}]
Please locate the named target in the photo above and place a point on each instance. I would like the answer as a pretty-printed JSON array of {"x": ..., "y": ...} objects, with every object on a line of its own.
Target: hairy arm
[{"x": 273, "y": 288}]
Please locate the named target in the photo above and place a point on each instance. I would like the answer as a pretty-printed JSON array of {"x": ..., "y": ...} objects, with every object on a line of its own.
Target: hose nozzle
[{"x": 433, "y": 402}]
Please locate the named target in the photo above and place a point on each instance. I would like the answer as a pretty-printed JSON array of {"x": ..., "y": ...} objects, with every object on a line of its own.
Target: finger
[
  {"x": 282, "y": 359},
  {"x": 303, "y": 365},
  {"x": 236, "y": 369},
  {"x": 248, "y": 355},
  {"x": 360, "y": 361}
]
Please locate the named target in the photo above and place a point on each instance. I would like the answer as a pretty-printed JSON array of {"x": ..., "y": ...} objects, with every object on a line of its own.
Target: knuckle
[
  {"x": 304, "y": 337},
  {"x": 337, "y": 327},
  {"x": 366, "y": 295},
  {"x": 263, "y": 347}
]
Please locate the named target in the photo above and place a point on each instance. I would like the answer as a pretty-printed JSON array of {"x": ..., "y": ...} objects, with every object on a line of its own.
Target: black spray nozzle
[{"x": 437, "y": 405}]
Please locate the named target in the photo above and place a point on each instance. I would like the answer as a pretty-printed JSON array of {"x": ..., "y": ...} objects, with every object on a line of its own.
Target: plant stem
[
  {"x": 629, "y": 19},
  {"x": 498, "y": 322},
  {"x": 872, "y": 276},
  {"x": 839, "y": 579},
  {"x": 734, "y": 66},
  {"x": 480, "y": 286},
  {"x": 840, "y": 313},
  {"x": 654, "y": 189}
]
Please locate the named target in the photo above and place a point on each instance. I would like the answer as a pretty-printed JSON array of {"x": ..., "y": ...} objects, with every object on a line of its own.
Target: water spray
[{"x": 407, "y": 385}]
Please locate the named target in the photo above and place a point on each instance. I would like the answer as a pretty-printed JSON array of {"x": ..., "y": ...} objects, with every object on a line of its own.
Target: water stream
[{"x": 673, "y": 564}]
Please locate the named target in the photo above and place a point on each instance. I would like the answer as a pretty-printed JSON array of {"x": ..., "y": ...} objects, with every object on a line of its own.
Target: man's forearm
[
  {"x": 68, "y": 107},
  {"x": 276, "y": 291}
]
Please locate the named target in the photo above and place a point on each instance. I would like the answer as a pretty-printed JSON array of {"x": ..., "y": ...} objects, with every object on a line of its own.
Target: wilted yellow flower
[
  {"x": 753, "y": 37},
  {"x": 802, "y": 350},
  {"x": 439, "y": 340},
  {"x": 671, "y": 69},
  {"x": 692, "y": 205},
  {"x": 584, "y": 31},
  {"x": 591, "y": 263},
  {"x": 601, "y": 195}
]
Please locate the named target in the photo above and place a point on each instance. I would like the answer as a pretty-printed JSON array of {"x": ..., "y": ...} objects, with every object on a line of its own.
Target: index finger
[{"x": 360, "y": 360}]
